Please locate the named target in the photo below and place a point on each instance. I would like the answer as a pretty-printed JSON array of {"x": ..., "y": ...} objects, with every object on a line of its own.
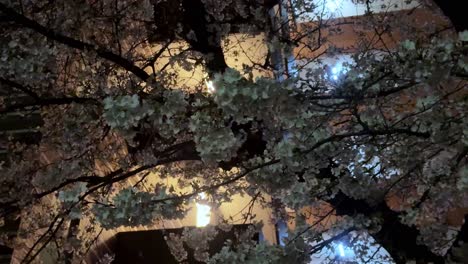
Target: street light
[{"x": 203, "y": 212}]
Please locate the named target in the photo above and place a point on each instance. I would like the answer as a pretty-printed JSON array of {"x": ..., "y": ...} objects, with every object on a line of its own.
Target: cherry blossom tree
[{"x": 91, "y": 80}]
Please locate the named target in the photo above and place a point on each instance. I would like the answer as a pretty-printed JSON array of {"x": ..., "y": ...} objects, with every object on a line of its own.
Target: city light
[
  {"x": 336, "y": 71},
  {"x": 341, "y": 250},
  {"x": 203, "y": 212},
  {"x": 210, "y": 86}
]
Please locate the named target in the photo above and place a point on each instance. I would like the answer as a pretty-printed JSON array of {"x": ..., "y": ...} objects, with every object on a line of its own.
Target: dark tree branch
[
  {"x": 73, "y": 43},
  {"x": 49, "y": 102},
  {"x": 179, "y": 152},
  {"x": 317, "y": 248},
  {"x": 208, "y": 43},
  {"x": 37, "y": 100},
  {"x": 19, "y": 87},
  {"x": 398, "y": 239},
  {"x": 45, "y": 238}
]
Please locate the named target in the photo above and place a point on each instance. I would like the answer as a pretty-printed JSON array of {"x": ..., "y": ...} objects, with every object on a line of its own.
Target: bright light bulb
[
  {"x": 210, "y": 86},
  {"x": 337, "y": 71},
  {"x": 341, "y": 250},
  {"x": 203, "y": 213}
]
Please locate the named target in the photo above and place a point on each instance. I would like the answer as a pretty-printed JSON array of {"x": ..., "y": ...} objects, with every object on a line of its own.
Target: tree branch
[
  {"x": 73, "y": 43},
  {"x": 401, "y": 241},
  {"x": 38, "y": 101}
]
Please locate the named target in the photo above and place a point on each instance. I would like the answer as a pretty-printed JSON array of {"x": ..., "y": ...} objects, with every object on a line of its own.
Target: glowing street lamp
[{"x": 203, "y": 212}]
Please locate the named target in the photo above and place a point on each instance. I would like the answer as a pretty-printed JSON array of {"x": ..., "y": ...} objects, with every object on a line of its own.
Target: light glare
[
  {"x": 337, "y": 71},
  {"x": 210, "y": 86},
  {"x": 203, "y": 213},
  {"x": 341, "y": 250}
]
